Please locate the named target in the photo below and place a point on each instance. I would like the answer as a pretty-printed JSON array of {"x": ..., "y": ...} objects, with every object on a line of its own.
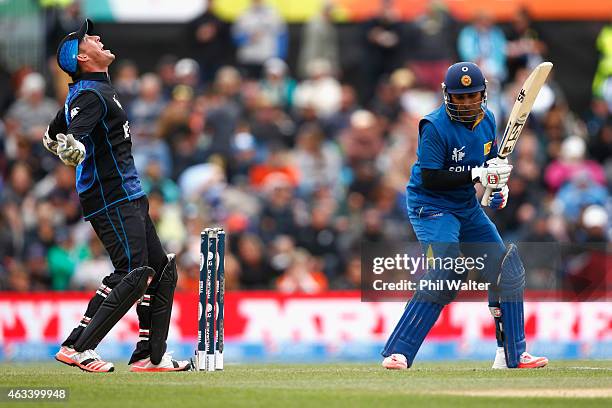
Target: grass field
[{"x": 457, "y": 384}]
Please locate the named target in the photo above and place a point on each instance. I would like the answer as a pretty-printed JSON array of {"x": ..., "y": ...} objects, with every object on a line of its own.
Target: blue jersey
[{"x": 445, "y": 144}]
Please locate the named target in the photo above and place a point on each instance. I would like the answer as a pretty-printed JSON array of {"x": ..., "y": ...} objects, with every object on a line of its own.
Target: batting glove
[
  {"x": 499, "y": 199},
  {"x": 50, "y": 144},
  {"x": 494, "y": 175},
  {"x": 70, "y": 150}
]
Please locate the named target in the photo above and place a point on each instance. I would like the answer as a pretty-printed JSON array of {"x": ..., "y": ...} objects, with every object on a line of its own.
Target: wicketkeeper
[
  {"x": 92, "y": 134},
  {"x": 456, "y": 150}
]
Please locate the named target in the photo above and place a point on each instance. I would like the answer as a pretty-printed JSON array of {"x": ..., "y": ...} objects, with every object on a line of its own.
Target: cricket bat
[{"x": 520, "y": 112}]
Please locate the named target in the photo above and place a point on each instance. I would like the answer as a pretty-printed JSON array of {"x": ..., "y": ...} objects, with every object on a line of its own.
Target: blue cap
[
  {"x": 464, "y": 77},
  {"x": 68, "y": 48}
]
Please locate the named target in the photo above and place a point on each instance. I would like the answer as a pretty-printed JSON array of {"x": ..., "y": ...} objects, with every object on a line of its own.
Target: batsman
[
  {"x": 457, "y": 149},
  {"x": 92, "y": 134}
]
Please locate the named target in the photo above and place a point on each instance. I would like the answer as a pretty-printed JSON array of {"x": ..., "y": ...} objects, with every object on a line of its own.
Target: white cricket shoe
[
  {"x": 395, "y": 362},
  {"x": 87, "y": 360},
  {"x": 526, "y": 360},
  {"x": 167, "y": 363}
]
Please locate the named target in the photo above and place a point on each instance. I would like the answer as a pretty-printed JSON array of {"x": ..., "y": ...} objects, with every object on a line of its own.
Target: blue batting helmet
[{"x": 464, "y": 77}]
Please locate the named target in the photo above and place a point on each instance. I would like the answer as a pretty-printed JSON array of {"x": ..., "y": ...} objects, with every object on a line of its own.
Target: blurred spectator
[
  {"x": 32, "y": 111},
  {"x": 416, "y": 101},
  {"x": 277, "y": 162},
  {"x": 386, "y": 103},
  {"x": 318, "y": 162},
  {"x": 212, "y": 42},
  {"x": 255, "y": 272},
  {"x": 168, "y": 222},
  {"x": 225, "y": 109},
  {"x": 302, "y": 276},
  {"x": 154, "y": 179},
  {"x": 341, "y": 119},
  {"x": 484, "y": 43},
  {"x": 383, "y": 45},
  {"x": 19, "y": 184},
  {"x": 260, "y": 34},
  {"x": 363, "y": 140},
  {"x": 146, "y": 108},
  {"x": 92, "y": 270},
  {"x": 319, "y": 237},
  {"x": 571, "y": 163},
  {"x": 244, "y": 153},
  {"x": 321, "y": 91},
  {"x": 277, "y": 215},
  {"x": 165, "y": 71},
  {"x": 351, "y": 278},
  {"x": 187, "y": 72},
  {"x": 580, "y": 192},
  {"x": 270, "y": 125},
  {"x": 604, "y": 69},
  {"x": 276, "y": 86},
  {"x": 319, "y": 41},
  {"x": 126, "y": 82},
  {"x": 524, "y": 48},
  {"x": 600, "y": 143},
  {"x": 434, "y": 45},
  {"x": 595, "y": 222},
  {"x": 64, "y": 257}
]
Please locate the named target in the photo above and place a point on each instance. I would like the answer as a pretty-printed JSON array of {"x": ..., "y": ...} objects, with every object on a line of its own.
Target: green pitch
[{"x": 454, "y": 384}]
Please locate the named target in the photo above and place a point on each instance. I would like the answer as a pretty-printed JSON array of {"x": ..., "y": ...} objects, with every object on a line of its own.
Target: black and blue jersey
[{"x": 94, "y": 116}]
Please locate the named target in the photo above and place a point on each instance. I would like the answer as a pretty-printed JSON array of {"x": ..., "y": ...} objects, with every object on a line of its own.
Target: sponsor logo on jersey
[
  {"x": 487, "y": 148},
  {"x": 458, "y": 154},
  {"x": 74, "y": 112}
]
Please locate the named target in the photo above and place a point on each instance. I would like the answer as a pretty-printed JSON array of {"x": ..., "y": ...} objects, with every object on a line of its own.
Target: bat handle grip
[{"x": 485, "y": 197}]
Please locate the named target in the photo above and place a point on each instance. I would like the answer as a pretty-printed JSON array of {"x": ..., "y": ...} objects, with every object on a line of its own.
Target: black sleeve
[
  {"x": 444, "y": 179},
  {"x": 57, "y": 125},
  {"x": 86, "y": 111}
]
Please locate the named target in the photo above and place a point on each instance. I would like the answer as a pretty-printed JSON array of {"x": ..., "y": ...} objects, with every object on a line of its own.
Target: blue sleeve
[{"x": 432, "y": 149}]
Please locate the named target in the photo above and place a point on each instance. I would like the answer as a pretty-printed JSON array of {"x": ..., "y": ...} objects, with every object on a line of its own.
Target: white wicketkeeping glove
[
  {"x": 50, "y": 144},
  {"x": 70, "y": 150},
  {"x": 495, "y": 175}
]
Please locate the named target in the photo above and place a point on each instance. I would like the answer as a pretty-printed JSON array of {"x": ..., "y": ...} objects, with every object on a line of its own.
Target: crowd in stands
[{"x": 298, "y": 165}]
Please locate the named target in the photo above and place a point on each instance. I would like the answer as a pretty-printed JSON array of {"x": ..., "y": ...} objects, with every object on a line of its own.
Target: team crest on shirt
[
  {"x": 487, "y": 148},
  {"x": 458, "y": 154},
  {"x": 74, "y": 112},
  {"x": 117, "y": 101}
]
